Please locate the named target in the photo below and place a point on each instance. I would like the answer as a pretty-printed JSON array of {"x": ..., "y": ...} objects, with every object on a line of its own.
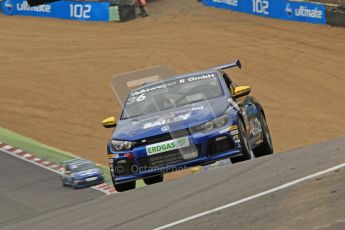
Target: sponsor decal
[
  {"x": 167, "y": 146},
  {"x": 234, "y": 132},
  {"x": 165, "y": 128},
  {"x": 173, "y": 83},
  {"x": 173, "y": 117},
  {"x": 24, "y": 6},
  {"x": 223, "y": 131},
  {"x": 221, "y": 138},
  {"x": 198, "y": 78},
  {"x": 234, "y": 127},
  {"x": 255, "y": 126},
  {"x": 238, "y": 143},
  {"x": 303, "y": 11},
  {"x": 133, "y": 99},
  {"x": 161, "y": 122}
]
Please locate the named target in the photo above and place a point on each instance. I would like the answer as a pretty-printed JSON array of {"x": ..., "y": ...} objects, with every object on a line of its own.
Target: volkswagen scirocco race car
[
  {"x": 80, "y": 173},
  {"x": 184, "y": 121}
]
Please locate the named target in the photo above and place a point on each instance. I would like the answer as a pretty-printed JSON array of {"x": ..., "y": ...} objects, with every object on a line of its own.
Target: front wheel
[
  {"x": 125, "y": 186},
  {"x": 154, "y": 180},
  {"x": 266, "y": 147}
]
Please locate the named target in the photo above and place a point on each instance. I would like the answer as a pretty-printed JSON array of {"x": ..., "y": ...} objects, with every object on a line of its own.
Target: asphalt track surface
[
  {"x": 316, "y": 203},
  {"x": 27, "y": 190}
]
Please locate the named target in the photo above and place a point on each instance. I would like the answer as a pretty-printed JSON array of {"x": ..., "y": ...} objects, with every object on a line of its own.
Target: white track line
[{"x": 289, "y": 184}]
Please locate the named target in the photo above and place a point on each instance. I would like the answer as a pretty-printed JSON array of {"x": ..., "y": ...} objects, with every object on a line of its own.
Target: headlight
[
  {"x": 215, "y": 123},
  {"x": 121, "y": 145}
]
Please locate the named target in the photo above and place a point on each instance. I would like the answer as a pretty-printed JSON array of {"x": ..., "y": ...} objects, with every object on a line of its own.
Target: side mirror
[
  {"x": 241, "y": 91},
  {"x": 110, "y": 122},
  {"x": 67, "y": 172}
]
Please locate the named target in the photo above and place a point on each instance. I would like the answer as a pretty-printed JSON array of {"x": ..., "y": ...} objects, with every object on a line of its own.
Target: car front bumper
[
  {"x": 86, "y": 183},
  {"x": 209, "y": 151}
]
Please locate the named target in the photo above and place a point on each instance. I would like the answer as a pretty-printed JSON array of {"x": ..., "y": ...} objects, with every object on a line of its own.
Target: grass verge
[{"x": 44, "y": 151}]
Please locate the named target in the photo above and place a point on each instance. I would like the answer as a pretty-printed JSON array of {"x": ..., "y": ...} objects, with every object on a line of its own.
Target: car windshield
[
  {"x": 81, "y": 166},
  {"x": 170, "y": 94}
]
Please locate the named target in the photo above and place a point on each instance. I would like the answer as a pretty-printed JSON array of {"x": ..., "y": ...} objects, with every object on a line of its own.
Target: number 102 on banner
[
  {"x": 260, "y": 6},
  {"x": 80, "y": 10}
]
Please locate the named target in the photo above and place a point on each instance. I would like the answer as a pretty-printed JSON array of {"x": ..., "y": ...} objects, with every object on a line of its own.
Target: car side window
[
  {"x": 231, "y": 85},
  {"x": 227, "y": 81}
]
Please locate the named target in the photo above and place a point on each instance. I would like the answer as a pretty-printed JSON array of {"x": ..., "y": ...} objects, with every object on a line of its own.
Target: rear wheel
[
  {"x": 154, "y": 180},
  {"x": 125, "y": 186},
  {"x": 266, "y": 147},
  {"x": 246, "y": 150}
]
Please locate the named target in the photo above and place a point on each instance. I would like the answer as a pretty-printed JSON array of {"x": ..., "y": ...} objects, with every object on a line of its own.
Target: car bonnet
[{"x": 171, "y": 120}]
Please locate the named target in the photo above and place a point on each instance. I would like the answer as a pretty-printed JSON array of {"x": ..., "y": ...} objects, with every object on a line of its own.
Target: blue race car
[
  {"x": 80, "y": 173},
  {"x": 184, "y": 121}
]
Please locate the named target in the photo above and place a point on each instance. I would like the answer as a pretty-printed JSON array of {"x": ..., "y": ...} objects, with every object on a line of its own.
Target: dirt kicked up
[{"x": 55, "y": 74}]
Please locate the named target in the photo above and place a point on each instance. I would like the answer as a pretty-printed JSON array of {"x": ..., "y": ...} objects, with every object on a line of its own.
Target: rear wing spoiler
[{"x": 229, "y": 65}]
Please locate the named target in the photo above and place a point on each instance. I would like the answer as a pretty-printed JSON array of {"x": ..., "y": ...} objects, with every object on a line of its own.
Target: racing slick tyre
[
  {"x": 266, "y": 147},
  {"x": 246, "y": 150},
  {"x": 154, "y": 180},
  {"x": 125, "y": 186}
]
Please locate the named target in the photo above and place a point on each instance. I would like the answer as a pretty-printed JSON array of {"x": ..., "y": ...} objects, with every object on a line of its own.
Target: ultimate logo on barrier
[
  {"x": 8, "y": 5},
  {"x": 288, "y": 10},
  {"x": 24, "y": 6},
  {"x": 303, "y": 11}
]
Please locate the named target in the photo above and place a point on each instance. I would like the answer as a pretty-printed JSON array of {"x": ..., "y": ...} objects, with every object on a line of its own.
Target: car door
[{"x": 255, "y": 131}]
